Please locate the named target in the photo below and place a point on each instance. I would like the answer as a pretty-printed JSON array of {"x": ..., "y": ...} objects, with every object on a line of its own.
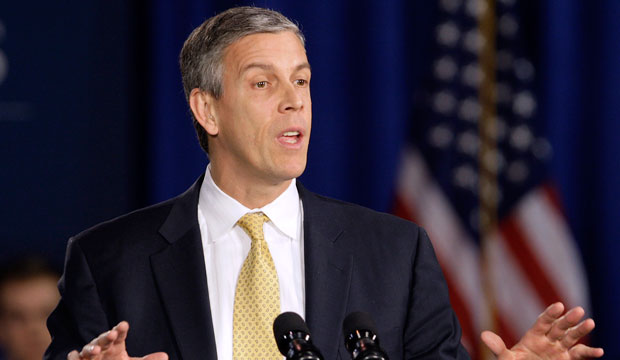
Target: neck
[{"x": 251, "y": 194}]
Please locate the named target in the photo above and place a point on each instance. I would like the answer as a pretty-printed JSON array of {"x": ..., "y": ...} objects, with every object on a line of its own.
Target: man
[
  {"x": 177, "y": 271},
  {"x": 28, "y": 295}
]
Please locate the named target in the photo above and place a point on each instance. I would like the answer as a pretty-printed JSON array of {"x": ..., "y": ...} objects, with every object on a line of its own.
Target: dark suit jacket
[{"x": 147, "y": 267}]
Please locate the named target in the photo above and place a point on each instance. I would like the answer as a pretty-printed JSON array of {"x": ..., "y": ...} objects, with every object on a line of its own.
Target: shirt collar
[{"x": 221, "y": 211}]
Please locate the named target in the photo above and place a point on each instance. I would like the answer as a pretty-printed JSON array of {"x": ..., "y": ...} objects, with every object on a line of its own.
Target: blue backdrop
[
  {"x": 69, "y": 156},
  {"x": 579, "y": 64},
  {"x": 93, "y": 122}
]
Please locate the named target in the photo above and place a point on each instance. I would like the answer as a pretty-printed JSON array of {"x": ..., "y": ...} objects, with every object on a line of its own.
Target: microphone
[
  {"x": 293, "y": 338},
  {"x": 360, "y": 337}
]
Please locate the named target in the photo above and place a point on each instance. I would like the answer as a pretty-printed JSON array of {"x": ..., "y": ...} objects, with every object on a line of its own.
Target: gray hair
[{"x": 201, "y": 58}]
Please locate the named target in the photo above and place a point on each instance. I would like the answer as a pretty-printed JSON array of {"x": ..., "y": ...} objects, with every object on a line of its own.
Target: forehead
[{"x": 279, "y": 49}]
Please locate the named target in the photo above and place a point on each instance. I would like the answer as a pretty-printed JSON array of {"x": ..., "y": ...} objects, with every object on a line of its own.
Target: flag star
[
  {"x": 470, "y": 109},
  {"x": 440, "y": 136},
  {"x": 524, "y": 104},
  {"x": 475, "y": 8},
  {"x": 521, "y": 137},
  {"x": 445, "y": 68},
  {"x": 444, "y": 102},
  {"x": 468, "y": 143},
  {"x": 465, "y": 177},
  {"x": 524, "y": 70},
  {"x": 508, "y": 26},
  {"x": 472, "y": 75},
  {"x": 474, "y": 41},
  {"x": 450, "y": 6},
  {"x": 541, "y": 149},
  {"x": 448, "y": 34}
]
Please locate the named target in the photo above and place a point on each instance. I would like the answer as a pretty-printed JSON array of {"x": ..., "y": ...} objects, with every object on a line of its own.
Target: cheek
[
  {"x": 249, "y": 121},
  {"x": 260, "y": 125}
]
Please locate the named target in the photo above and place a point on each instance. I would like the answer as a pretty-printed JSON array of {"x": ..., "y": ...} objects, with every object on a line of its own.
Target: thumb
[
  {"x": 493, "y": 342},
  {"x": 156, "y": 356}
]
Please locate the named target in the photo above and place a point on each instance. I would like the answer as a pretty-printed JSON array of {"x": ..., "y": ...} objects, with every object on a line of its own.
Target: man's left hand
[{"x": 553, "y": 336}]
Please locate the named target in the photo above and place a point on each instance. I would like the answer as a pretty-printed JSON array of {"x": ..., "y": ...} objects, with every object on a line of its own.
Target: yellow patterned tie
[{"x": 257, "y": 297}]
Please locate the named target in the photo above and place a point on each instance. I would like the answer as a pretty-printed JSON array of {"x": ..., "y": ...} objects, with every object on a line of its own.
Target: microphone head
[
  {"x": 360, "y": 337},
  {"x": 284, "y": 324},
  {"x": 358, "y": 320}
]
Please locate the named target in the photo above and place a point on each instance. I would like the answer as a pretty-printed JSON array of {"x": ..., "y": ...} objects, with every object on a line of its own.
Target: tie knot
[{"x": 252, "y": 223}]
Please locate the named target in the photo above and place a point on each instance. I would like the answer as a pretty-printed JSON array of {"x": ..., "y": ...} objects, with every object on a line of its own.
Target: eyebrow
[
  {"x": 305, "y": 65},
  {"x": 268, "y": 67}
]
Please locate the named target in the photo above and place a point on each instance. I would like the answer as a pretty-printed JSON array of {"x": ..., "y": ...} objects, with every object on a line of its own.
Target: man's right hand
[{"x": 111, "y": 346}]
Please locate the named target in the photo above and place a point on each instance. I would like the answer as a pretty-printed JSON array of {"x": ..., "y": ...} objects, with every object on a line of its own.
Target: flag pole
[{"x": 487, "y": 162}]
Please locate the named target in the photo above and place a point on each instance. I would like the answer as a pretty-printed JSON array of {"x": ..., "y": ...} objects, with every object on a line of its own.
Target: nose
[{"x": 292, "y": 98}]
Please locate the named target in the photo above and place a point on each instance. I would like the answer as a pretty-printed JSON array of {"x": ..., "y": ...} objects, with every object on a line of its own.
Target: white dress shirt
[{"x": 226, "y": 245}]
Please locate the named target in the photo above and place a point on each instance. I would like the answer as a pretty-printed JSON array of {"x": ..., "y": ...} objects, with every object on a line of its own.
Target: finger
[
  {"x": 493, "y": 342},
  {"x": 545, "y": 320},
  {"x": 561, "y": 325},
  {"x": 99, "y": 344},
  {"x": 581, "y": 351},
  {"x": 90, "y": 350},
  {"x": 577, "y": 332},
  {"x": 105, "y": 339},
  {"x": 156, "y": 356},
  {"x": 73, "y": 355},
  {"x": 123, "y": 329}
]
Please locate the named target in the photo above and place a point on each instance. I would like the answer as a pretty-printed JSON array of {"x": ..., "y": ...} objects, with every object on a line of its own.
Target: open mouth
[{"x": 291, "y": 137}]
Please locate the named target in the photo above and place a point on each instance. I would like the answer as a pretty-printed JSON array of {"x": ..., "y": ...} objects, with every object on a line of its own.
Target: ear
[{"x": 201, "y": 104}]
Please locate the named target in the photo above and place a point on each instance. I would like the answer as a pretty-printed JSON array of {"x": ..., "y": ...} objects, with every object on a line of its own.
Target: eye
[
  {"x": 261, "y": 84},
  {"x": 301, "y": 82}
]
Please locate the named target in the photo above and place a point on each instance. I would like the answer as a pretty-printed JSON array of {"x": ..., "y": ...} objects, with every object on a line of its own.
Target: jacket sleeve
[
  {"x": 432, "y": 330},
  {"x": 79, "y": 316}
]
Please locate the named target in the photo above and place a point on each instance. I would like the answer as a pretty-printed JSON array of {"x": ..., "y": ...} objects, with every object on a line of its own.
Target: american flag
[{"x": 475, "y": 176}]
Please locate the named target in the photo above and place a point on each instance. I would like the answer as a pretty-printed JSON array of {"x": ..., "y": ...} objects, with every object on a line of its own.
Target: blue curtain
[
  {"x": 580, "y": 57},
  {"x": 67, "y": 147}
]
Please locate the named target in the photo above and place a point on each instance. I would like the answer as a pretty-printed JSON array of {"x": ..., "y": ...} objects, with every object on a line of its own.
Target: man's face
[
  {"x": 264, "y": 114},
  {"x": 24, "y": 308}
]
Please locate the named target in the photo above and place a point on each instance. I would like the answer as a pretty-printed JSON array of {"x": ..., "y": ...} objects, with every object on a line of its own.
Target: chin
[{"x": 292, "y": 171}]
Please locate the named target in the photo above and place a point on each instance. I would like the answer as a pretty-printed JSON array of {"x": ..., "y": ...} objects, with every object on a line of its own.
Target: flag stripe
[
  {"x": 515, "y": 298},
  {"x": 506, "y": 331},
  {"x": 470, "y": 334},
  {"x": 518, "y": 245},
  {"x": 459, "y": 255},
  {"x": 401, "y": 209},
  {"x": 549, "y": 237},
  {"x": 554, "y": 198}
]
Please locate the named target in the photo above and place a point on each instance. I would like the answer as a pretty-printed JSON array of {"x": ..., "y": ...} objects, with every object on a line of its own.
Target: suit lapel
[
  {"x": 179, "y": 272},
  {"x": 328, "y": 267}
]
